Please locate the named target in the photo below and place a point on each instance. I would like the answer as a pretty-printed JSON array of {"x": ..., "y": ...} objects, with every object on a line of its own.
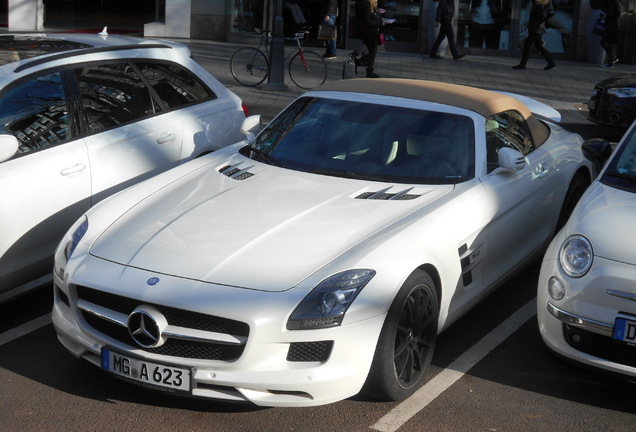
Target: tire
[
  {"x": 407, "y": 341},
  {"x": 249, "y": 66},
  {"x": 578, "y": 186},
  {"x": 312, "y": 76}
]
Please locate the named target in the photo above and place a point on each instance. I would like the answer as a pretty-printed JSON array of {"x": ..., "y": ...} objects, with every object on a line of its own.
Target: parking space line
[
  {"x": 436, "y": 386},
  {"x": 25, "y": 329}
]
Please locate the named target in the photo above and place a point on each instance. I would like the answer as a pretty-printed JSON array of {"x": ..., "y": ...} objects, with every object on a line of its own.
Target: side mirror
[
  {"x": 252, "y": 125},
  {"x": 8, "y": 146},
  {"x": 510, "y": 160},
  {"x": 598, "y": 151}
]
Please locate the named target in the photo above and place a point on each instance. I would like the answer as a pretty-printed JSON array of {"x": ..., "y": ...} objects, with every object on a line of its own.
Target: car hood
[
  {"x": 606, "y": 218},
  {"x": 627, "y": 80},
  {"x": 268, "y": 228}
]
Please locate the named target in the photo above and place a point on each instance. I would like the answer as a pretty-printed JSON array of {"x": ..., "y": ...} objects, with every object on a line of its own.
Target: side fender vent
[
  {"x": 236, "y": 173},
  {"x": 384, "y": 194}
]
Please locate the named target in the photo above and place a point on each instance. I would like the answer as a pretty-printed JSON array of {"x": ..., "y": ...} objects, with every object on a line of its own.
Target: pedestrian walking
[
  {"x": 329, "y": 14},
  {"x": 609, "y": 41},
  {"x": 540, "y": 12},
  {"x": 444, "y": 19},
  {"x": 368, "y": 23}
]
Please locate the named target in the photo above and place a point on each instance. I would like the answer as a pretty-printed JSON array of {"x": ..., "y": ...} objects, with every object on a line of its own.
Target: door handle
[
  {"x": 541, "y": 171},
  {"x": 165, "y": 139},
  {"x": 74, "y": 169}
]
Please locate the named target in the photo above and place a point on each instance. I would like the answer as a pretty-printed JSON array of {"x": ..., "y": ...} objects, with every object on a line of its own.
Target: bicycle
[{"x": 250, "y": 66}]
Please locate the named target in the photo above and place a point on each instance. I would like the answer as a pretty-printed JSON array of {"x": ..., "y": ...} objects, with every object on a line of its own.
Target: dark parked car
[{"x": 613, "y": 101}]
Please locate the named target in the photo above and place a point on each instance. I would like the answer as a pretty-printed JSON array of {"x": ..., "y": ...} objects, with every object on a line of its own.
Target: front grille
[
  {"x": 600, "y": 346},
  {"x": 309, "y": 351},
  {"x": 193, "y": 349}
]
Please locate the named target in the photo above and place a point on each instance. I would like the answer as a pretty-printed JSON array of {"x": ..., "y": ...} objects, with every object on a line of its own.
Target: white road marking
[
  {"x": 24, "y": 329},
  {"x": 436, "y": 386}
]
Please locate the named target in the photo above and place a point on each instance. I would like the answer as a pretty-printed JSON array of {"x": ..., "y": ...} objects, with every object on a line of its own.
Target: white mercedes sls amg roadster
[{"x": 323, "y": 257}]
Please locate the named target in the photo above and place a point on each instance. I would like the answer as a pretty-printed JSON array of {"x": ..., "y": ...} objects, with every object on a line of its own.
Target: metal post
[{"x": 277, "y": 51}]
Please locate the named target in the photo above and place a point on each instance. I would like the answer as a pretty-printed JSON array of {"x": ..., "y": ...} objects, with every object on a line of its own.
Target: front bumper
[
  {"x": 264, "y": 373},
  {"x": 580, "y": 327}
]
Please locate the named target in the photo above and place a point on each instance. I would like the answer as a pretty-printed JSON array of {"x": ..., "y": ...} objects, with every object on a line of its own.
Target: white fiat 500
[
  {"x": 586, "y": 296},
  {"x": 83, "y": 116},
  {"x": 323, "y": 256}
]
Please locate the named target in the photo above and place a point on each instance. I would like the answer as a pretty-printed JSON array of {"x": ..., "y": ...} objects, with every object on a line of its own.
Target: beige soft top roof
[{"x": 484, "y": 102}]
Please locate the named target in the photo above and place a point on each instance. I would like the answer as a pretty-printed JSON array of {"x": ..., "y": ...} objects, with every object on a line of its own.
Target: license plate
[
  {"x": 154, "y": 375},
  {"x": 625, "y": 330}
]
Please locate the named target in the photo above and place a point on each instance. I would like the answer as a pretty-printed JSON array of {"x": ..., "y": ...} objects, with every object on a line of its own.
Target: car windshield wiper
[
  {"x": 266, "y": 156},
  {"x": 622, "y": 175},
  {"x": 349, "y": 174}
]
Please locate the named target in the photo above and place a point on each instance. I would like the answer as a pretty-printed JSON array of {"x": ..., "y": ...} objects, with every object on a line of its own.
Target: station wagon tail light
[
  {"x": 576, "y": 256},
  {"x": 327, "y": 303}
]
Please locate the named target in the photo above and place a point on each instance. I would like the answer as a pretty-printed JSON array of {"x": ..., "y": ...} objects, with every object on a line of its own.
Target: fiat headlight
[
  {"x": 576, "y": 256},
  {"x": 327, "y": 303}
]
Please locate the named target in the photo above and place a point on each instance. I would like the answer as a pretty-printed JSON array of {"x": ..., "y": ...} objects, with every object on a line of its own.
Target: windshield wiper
[
  {"x": 350, "y": 174},
  {"x": 621, "y": 175},
  {"x": 266, "y": 156}
]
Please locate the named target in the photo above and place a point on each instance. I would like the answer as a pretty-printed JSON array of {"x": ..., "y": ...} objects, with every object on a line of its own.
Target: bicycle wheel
[
  {"x": 249, "y": 66},
  {"x": 309, "y": 73}
]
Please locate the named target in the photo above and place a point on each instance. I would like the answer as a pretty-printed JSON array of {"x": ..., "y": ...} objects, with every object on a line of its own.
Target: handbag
[
  {"x": 599, "y": 27},
  {"x": 327, "y": 32}
]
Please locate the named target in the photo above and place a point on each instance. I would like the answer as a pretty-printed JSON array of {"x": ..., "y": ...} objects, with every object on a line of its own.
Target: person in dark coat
[
  {"x": 540, "y": 12},
  {"x": 368, "y": 24},
  {"x": 612, "y": 10},
  {"x": 444, "y": 19}
]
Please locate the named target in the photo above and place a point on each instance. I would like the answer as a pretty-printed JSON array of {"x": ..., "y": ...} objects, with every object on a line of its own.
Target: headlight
[
  {"x": 75, "y": 238},
  {"x": 65, "y": 250},
  {"x": 327, "y": 303},
  {"x": 622, "y": 92},
  {"x": 576, "y": 256}
]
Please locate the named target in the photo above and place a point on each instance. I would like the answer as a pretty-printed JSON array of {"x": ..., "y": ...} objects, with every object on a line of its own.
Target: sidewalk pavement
[{"x": 566, "y": 88}]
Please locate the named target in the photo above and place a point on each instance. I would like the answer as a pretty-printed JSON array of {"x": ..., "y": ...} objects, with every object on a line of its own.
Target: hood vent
[
  {"x": 384, "y": 194},
  {"x": 234, "y": 172}
]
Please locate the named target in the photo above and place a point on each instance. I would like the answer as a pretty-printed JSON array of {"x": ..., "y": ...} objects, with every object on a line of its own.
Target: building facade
[{"x": 487, "y": 27}]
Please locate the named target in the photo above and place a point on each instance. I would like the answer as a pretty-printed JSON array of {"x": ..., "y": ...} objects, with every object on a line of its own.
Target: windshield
[
  {"x": 369, "y": 141},
  {"x": 621, "y": 170}
]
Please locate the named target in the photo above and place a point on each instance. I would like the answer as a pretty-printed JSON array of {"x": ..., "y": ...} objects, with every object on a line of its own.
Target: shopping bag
[
  {"x": 599, "y": 27},
  {"x": 349, "y": 68},
  {"x": 327, "y": 32}
]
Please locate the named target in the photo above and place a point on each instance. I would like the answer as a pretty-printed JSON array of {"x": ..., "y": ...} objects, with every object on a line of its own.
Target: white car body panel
[
  {"x": 60, "y": 190},
  {"x": 251, "y": 248},
  {"x": 133, "y": 153}
]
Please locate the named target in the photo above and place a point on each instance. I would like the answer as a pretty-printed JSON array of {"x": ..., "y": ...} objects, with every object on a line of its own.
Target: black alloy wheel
[{"x": 407, "y": 340}]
